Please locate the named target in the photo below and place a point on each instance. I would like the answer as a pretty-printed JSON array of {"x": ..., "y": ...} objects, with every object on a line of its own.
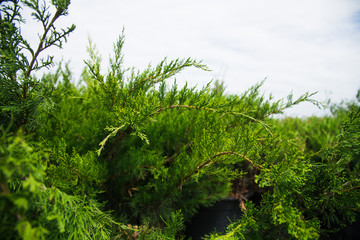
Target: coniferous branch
[
  {"x": 214, "y": 110},
  {"x": 210, "y": 161},
  {"x": 117, "y": 70},
  {"x": 113, "y": 133},
  {"x": 55, "y": 38},
  {"x": 290, "y": 103},
  {"x": 164, "y": 71},
  {"x": 19, "y": 105},
  {"x": 11, "y": 57}
]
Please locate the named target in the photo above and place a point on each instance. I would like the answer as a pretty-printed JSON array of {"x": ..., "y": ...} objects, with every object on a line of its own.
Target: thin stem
[
  {"x": 41, "y": 43},
  {"x": 350, "y": 189},
  {"x": 210, "y": 161},
  {"x": 215, "y": 110}
]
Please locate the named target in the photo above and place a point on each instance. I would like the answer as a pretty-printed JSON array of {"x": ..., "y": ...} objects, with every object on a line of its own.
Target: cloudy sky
[{"x": 298, "y": 45}]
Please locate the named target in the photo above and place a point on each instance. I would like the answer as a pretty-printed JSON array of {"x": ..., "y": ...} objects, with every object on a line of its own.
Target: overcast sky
[{"x": 298, "y": 45}]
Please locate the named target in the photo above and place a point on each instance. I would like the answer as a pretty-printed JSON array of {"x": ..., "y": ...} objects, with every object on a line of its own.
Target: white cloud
[{"x": 307, "y": 45}]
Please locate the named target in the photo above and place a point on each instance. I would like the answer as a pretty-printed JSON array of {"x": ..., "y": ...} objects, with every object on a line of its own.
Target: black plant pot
[
  {"x": 216, "y": 217},
  {"x": 351, "y": 232},
  {"x": 226, "y": 211}
]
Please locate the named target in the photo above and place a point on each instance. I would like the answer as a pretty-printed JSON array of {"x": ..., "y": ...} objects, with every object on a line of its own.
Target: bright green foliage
[
  {"x": 171, "y": 148},
  {"x": 32, "y": 210},
  {"x": 20, "y": 180},
  {"x": 129, "y": 154},
  {"x": 317, "y": 194}
]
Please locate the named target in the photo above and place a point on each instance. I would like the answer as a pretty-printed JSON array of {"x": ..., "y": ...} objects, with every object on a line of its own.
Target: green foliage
[
  {"x": 20, "y": 180},
  {"x": 312, "y": 193},
  {"x": 21, "y": 93},
  {"x": 32, "y": 209},
  {"x": 129, "y": 154}
]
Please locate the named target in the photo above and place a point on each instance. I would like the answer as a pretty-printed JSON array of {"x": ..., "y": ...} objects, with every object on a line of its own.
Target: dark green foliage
[{"x": 131, "y": 155}]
